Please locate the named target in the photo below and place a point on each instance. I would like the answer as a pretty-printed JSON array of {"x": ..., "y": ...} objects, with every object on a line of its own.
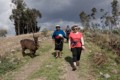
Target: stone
[
  {"x": 106, "y": 76},
  {"x": 49, "y": 66},
  {"x": 114, "y": 71},
  {"x": 13, "y": 51},
  {"x": 101, "y": 74}
]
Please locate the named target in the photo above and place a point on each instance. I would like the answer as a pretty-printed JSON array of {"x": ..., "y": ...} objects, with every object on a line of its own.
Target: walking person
[
  {"x": 76, "y": 45},
  {"x": 58, "y": 37},
  {"x": 68, "y": 30}
]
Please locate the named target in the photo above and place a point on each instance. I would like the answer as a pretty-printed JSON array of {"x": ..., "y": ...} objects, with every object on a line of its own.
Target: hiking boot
[
  {"x": 77, "y": 63},
  {"x": 74, "y": 68}
]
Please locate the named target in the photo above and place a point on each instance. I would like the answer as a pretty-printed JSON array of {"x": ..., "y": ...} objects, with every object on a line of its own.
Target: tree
[
  {"x": 115, "y": 11},
  {"x": 25, "y": 19},
  {"x": 94, "y": 11},
  {"x": 3, "y": 32},
  {"x": 105, "y": 19},
  {"x": 17, "y": 14},
  {"x": 84, "y": 19}
]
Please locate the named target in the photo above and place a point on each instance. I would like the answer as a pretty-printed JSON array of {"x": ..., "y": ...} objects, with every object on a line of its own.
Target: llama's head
[
  {"x": 36, "y": 38},
  {"x": 36, "y": 41}
]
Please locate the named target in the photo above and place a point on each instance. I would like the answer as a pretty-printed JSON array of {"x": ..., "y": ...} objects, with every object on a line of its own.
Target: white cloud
[
  {"x": 5, "y": 9},
  {"x": 63, "y": 24}
]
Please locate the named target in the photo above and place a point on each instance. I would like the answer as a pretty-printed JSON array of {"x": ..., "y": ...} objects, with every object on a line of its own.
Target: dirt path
[
  {"x": 32, "y": 66},
  {"x": 29, "y": 68},
  {"x": 69, "y": 74},
  {"x": 83, "y": 71}
]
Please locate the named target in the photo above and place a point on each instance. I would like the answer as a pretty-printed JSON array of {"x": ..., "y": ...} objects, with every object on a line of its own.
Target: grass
[
  {"x": 50, "y": 70},
  {"x": 6, "y": 66},
  {"x": 14, "y": 62},
  {"x": 104, "y": 47},
  {"x": 44, "y": 47},
  {"x": 106, "y": 68}
]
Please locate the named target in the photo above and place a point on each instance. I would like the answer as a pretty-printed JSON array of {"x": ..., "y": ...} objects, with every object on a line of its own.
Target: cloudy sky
[{"x": 62, "y": 12}]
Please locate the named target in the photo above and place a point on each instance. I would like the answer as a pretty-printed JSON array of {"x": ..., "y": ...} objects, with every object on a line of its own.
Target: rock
[
  {"x": 101, "y": 74},
  {"x": 12, "y": 60},
  {"x": 90, "y": 51},
  {"x": 40, "y": 40},
  {"x": 13, "y": 51},
  {"x": 114, "y": 71},
  {"x": 106, "y": 76},
  {"x": 49, "y": 66},
  {"x": 114, "y": 64},
  {"x": 19, "y": 58}
]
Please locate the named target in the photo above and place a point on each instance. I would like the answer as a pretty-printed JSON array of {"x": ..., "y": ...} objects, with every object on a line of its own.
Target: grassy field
[{"x": 46, "y": 67}]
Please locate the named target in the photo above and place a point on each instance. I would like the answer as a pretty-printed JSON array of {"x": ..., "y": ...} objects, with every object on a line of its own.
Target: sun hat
[{"x": 57, "y": 26}]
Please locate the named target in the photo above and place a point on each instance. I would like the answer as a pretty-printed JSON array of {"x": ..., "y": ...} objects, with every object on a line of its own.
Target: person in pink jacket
[{"x": 76, "y": 45}]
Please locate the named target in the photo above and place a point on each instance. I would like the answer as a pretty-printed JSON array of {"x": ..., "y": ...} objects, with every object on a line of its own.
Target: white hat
[{"x": 57, "y": 25}]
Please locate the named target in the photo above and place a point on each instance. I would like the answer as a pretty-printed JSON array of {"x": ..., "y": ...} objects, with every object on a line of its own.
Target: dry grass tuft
[{"x": 10, "y": 44}]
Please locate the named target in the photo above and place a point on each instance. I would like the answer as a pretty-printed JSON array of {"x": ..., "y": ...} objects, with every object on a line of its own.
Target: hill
[{"x": 96, "y": 63}]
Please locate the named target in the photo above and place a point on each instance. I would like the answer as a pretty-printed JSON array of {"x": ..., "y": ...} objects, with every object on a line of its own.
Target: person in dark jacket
[
  {"x": 58, "y": 37},
  {"x": 68, "y": 30}
]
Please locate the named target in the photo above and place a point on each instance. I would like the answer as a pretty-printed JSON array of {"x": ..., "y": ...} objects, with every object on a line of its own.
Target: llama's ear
[{"x": 36, "y": 35}]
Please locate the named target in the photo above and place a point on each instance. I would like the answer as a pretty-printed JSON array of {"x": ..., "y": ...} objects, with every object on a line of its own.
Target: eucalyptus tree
[
  {"x": 84, "y": 19},
  {"x": 17, "y": 14},
  {"x": 115, "y": 11},
  {"x": 25, "y": 19}
]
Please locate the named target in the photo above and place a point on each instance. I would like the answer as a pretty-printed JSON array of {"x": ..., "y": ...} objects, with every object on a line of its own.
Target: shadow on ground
[
  {"x": 30, "y": 55},
  {"x": 69, "y": 60},
  {"x": 54, "y": 54}
]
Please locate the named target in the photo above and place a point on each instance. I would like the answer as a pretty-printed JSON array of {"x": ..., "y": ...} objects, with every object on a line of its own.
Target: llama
[{"x": 32, "y": 45}]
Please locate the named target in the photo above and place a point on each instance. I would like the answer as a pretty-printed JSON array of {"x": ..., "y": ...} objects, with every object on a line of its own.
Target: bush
[
  {"x": 105, "y": 40},
  {"x": 3, "y": 33},
  {"x": 116, "y": 32},
  {"x": 45, "y": 32}
]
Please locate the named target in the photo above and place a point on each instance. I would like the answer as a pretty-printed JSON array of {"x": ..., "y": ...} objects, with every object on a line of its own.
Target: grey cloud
[
  {"x": 61, "y": 12},
  {"x": 67, "y": 10}
]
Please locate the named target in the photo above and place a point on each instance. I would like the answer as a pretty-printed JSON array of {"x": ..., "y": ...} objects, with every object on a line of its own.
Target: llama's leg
[
  {"x": 23, "y": 51},
  {"x": 34, "y": 53}
]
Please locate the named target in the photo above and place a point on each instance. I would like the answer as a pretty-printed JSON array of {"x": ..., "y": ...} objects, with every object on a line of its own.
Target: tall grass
[
  {"x": 105, "y": 39},
  {"x": 109, "y": 43}
]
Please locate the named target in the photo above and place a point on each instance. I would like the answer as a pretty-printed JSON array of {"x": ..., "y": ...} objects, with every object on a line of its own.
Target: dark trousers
[
  {"x": 67, "y": 36},
  {"x": 76, "y": 53},
  {"x": 59, "y": 44}
]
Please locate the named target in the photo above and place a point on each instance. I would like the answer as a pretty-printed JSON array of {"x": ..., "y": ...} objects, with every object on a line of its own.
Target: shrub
[
  {"x": 105, "y": 40},
  {"x": 8, "y": 64},
  {"x": 45, "y": 32},
  {"x": 3, "y": 33},
  {"x": 116, "y": 31}
]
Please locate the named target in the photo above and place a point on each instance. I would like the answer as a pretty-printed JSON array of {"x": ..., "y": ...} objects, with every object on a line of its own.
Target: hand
[
  {"x": 83, "y": 47},
  {"x": 69, "y": 48}
]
